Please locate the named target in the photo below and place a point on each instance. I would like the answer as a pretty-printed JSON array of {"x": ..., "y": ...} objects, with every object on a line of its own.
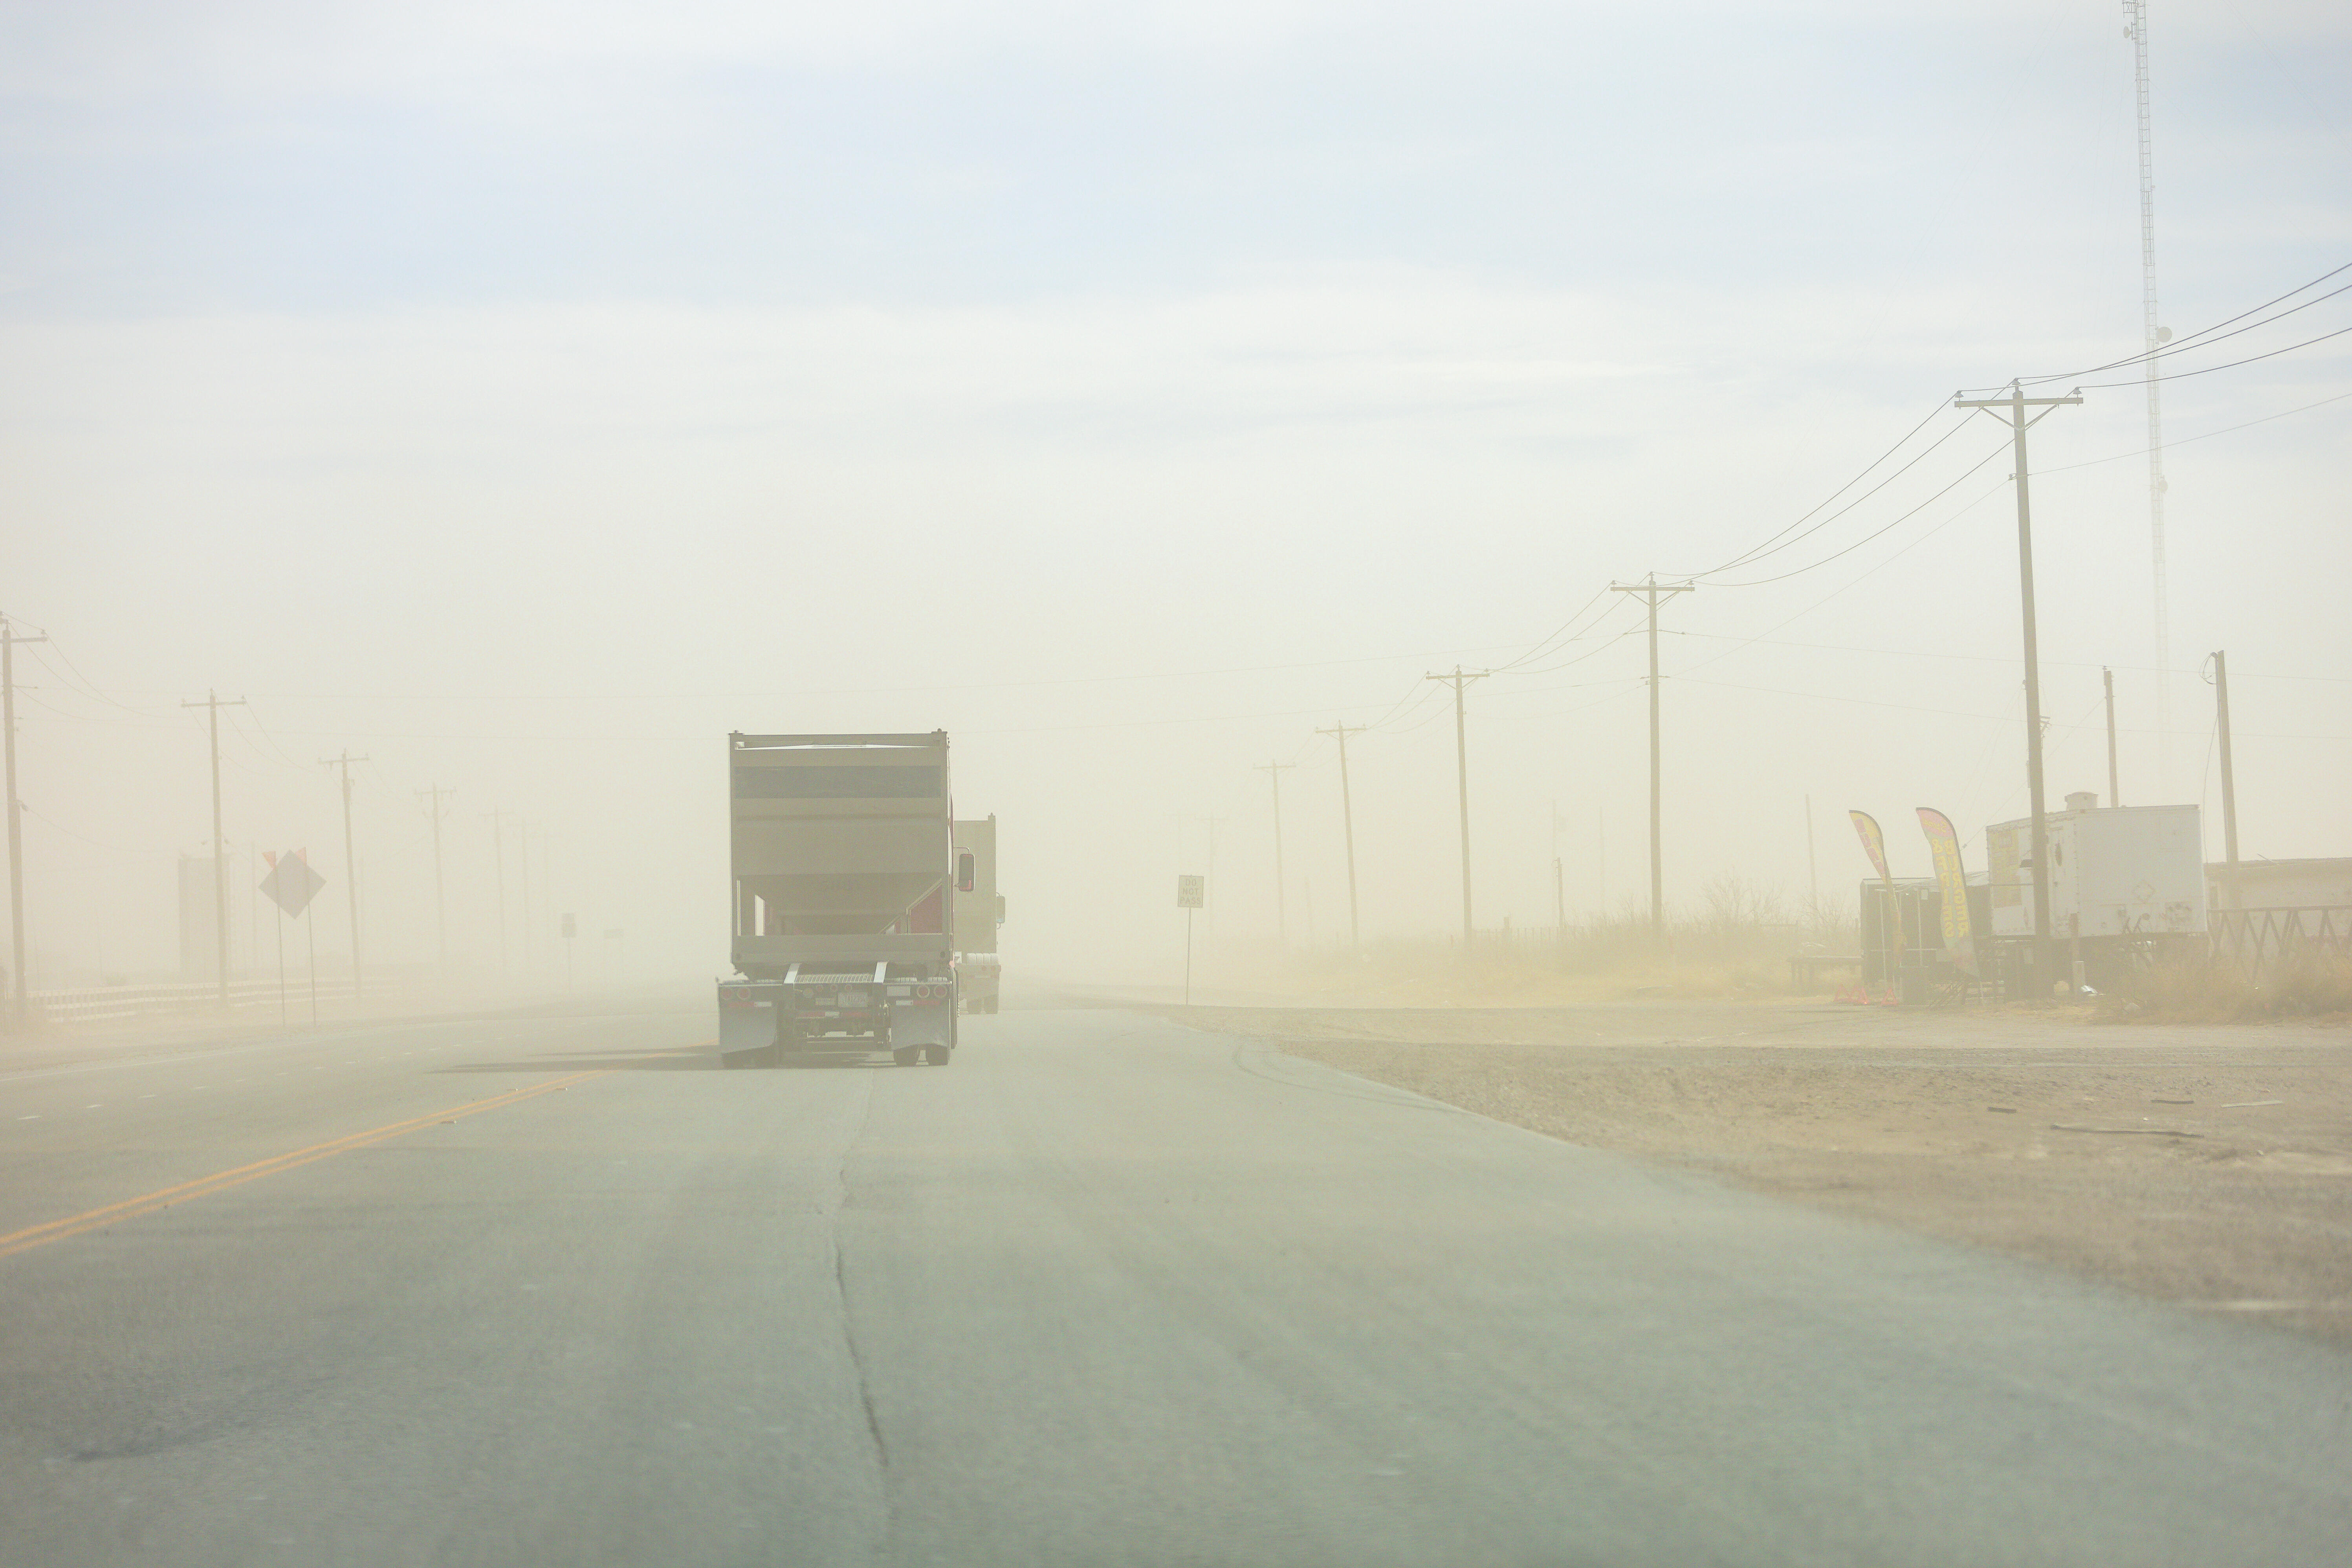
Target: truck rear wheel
[
  {"x": 907, "y": 1055},
  {"x": 936, "y": 1055}
]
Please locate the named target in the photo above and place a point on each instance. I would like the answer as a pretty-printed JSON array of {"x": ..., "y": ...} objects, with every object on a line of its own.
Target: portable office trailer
[{"x": 2122, "y": 871}]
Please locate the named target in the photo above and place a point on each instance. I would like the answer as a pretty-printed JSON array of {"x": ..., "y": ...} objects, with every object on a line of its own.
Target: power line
[
  {"x": 1544, "y": 646},
  {"x": 2082, "y": 723},
  {"x": 1580, "y": 658},
  {"x": 852, "y": 690},
  {"x": 266, "y": 738},
  {"x": 1853, "y": 582},
  {"x": 2181, "y": 344},
  {"x": 2249, "y": 359},
  {"x": 80, "y": 683},
  {"x": 1787, "y": 536},
  {"x": 2207, "y": 435},
  {"x": 1970, "y": 658},
  {"x": 1965, "y": 474},
  {"x": 2158, "y": 356}
]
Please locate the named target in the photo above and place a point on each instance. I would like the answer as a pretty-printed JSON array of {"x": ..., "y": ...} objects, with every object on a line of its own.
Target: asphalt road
[{"x": 1106, "y": 1290}]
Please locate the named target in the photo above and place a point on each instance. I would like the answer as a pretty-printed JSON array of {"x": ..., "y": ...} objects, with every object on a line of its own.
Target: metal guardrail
[
  {"x": 102, "y": 1004},
  {"x": 2258, "y": 943}
]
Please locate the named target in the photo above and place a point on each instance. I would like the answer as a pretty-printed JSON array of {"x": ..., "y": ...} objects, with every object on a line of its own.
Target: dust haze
[{"x": 522, "y": 404}]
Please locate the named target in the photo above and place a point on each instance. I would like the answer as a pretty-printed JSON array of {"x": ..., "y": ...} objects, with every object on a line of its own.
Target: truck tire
[
  {"x": 907, "y": 1055},
  {"x": 938, "y": 1056}
]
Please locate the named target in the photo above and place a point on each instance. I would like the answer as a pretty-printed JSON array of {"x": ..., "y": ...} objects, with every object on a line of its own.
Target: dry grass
[
  {"x": 2318, "y": 987},
  {"x": 1738, "y": 949}
]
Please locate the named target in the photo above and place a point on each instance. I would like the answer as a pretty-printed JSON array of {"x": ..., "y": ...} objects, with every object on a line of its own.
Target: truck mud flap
[
  {"x": 915, "y": 1027},
  {"x": 747, "y": 1035}
]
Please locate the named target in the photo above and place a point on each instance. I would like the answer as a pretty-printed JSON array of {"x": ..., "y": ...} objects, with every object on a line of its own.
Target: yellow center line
[{"x": 205, "y": 1186}]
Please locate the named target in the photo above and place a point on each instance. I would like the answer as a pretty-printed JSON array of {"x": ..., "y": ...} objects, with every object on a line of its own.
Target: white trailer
[{"x": 2130, "y": 871}]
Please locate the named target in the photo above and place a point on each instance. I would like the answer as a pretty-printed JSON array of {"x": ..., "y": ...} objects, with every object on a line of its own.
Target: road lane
[
  {"x": 81, "y": 1134},
  {"x": 1105, "y": 1291}
]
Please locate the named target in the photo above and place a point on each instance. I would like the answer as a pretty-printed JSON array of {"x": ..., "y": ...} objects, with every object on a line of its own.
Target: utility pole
[
  {"x": 499, "y": 861},
  {"x": 1208, "y": 910},
  {"x": 522, "y": 831},
  {"x": 1600, "y": 855},
  {"x": 214, "y": 702},
  {"x": 440, "y": 891},
  {"x": 2229, "y": 772},
  {"x": 1652, "y": 590},
  {"x": 2115, "y": 786},
  {"x": 1347, "y": 823},
  {"x": 1281, "y": 884},
  {"x": 528, "y": 927},
  {"x": 1559, "y": 880},
  {"x": 1813, "y": 862},
  {"x": 2015, "y": 404},
  {"x": 2155, "y": 336},
  {"x": 20, "y": 993},
  {"x": 1459, "y": 681},
  {"x": 351, "y": 860}
]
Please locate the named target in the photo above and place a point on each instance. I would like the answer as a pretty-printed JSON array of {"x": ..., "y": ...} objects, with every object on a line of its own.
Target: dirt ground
[{"x": 2209, "y": 1165}]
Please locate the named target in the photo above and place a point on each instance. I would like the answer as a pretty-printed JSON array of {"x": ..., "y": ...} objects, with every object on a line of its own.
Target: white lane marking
[{"x": 28, "y": 1119}]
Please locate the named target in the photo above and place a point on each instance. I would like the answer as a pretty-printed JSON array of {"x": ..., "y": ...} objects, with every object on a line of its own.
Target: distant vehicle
[
  {"x": 978, "y": 910},
  {"x": 842, "y": 854}
]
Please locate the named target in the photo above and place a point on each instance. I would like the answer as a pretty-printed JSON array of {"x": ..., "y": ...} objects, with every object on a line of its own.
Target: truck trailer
[
  {"x": 979, "y": 909},
  {"x": 841, "y": 853}
]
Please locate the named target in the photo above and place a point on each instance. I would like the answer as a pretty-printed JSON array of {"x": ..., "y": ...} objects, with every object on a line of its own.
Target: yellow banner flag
[{"x": 1952, "y": 883}]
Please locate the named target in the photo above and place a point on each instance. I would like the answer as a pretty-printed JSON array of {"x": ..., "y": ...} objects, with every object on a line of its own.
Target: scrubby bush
[{"x": 2205, "y": 991}]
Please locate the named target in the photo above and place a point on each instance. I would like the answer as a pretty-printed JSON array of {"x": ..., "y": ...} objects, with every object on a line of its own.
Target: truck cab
[{"x": 978, "y": 911}]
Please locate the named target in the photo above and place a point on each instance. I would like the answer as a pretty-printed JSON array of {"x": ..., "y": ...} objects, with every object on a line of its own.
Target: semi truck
[
  {"x": 978, "y": 911},
  {"x": 841, "y": 853}
]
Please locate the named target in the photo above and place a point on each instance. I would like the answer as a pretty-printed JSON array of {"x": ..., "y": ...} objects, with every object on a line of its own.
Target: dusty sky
[{"x": 526, "y": 395}]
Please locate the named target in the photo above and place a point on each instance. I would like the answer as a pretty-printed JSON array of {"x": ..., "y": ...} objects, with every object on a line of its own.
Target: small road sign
[
  {"x": 1192, "y": 893},
  {"x": 291, "y": 884}
]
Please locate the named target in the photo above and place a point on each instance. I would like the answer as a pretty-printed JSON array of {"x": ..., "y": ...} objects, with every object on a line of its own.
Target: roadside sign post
[
  {"x": 1191, "y": 893},
  {"x": 291, "y": 884}
]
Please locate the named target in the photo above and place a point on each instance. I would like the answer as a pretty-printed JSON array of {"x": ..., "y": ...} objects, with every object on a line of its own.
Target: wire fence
[{"x": 2259, "y": 943}]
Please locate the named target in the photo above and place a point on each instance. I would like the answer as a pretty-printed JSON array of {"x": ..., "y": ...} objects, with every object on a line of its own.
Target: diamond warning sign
[{"x": 291, "y": 884}]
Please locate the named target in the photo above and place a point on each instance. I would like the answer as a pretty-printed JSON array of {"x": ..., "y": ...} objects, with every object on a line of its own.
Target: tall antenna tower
[{"x": 2156, "y": 335}]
